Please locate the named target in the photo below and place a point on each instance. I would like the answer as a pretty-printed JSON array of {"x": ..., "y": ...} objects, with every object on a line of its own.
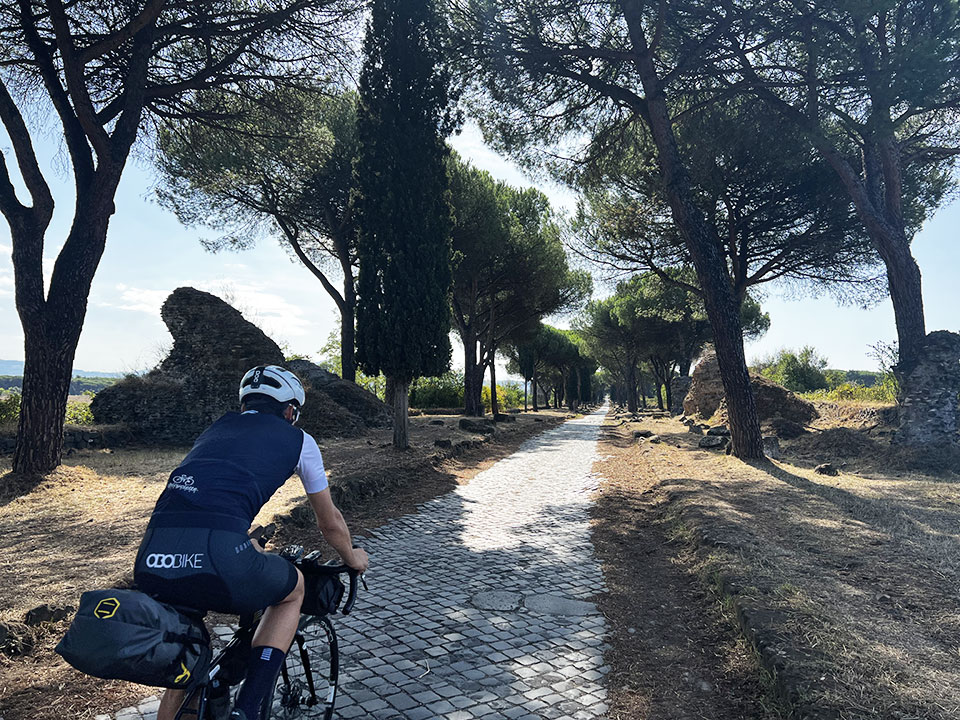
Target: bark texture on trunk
[
  {"x": 46, "y": 386},
  {"x": 632, "y": 404},
  {"x": 348, "y": 340},
  {"x": 472, "y": 397},
  {"x": 401, "y": 416},
  {"x": 494, "y": 404}
]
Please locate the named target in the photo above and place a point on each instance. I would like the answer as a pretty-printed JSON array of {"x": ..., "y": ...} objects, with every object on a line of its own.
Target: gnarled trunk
[
  {"x": 400, "y": 401},
  {"x": 348, "y": 362},
  {"x": 472, "y": 377},
  {"x": 705, "y": 250}
]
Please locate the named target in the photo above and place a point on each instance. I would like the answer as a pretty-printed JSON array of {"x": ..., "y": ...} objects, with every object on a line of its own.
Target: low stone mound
[
  {"x": 361, "y": 403},
  {"x": 213, "y": 345},
  {"x": 705, "y": 399}
]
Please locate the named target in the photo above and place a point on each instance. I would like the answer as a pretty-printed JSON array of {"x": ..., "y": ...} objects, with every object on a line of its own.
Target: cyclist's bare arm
[{"x": 335, "y": 531}]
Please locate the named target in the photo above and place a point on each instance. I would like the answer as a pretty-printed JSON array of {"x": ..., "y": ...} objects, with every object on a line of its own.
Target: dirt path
[{"x": 674, "y": 654}]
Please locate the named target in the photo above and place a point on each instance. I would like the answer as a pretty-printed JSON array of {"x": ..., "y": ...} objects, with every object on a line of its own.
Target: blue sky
[{"x": 149, "y": 254}]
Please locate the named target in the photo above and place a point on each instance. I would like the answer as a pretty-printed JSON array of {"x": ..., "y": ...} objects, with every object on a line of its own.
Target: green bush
[
  {"x": 445, "y": 391},
  {"x": 883, "y": 392},
  {"x": 79, "y": 413},
  {"x": 9, "y": 407},
  {"x": 799, "y": 372},
  {"x": 508, "y": 396}
]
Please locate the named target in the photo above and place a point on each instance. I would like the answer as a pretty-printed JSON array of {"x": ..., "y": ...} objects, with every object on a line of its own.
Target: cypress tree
[{"x": 403, "y": 210}]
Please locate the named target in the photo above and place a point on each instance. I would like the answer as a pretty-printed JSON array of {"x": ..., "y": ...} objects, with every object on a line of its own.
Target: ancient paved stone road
[{"x": 479, "y": 602}]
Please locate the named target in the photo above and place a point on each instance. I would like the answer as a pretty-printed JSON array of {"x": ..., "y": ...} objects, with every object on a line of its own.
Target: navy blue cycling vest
[{"x": 231, "y": 472}]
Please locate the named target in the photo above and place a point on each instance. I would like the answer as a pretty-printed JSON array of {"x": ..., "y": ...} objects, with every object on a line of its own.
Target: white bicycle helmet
[{"x": 275, "y": 382}]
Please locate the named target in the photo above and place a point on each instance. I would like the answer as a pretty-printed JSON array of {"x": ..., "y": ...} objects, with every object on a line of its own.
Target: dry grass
[
  {"x": 674, "y": 654},
  {"x": 79, "y": 528},
  {"x": 853, "y": 578}
]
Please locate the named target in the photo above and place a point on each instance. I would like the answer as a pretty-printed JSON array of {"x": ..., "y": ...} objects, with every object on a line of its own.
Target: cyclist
[{"x": 196, "y": 552}]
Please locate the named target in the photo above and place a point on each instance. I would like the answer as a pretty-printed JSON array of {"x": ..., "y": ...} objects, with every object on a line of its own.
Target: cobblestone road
[{"x": 479, "y": 602}]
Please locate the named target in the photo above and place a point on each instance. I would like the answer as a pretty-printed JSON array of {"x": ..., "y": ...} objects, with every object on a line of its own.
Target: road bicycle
[{"x": 306, "y": 686}]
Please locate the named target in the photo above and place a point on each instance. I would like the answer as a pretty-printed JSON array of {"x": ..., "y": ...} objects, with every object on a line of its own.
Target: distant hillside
[
  {"x": 78, "y": 385},
  {"x": 15, "y": 367}
]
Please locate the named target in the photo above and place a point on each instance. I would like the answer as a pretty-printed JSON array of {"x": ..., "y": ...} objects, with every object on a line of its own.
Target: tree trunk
[
  {"x": 494, "y": 407},
  {"x": 401, "y": 416},
  {"x": 705, "y": 249},
  {"x": 524, "y": 394},
  {"x": 533, "y": 383},
  {"x": 46, "y": 386},
  {"x": 348, "y": 362},
  {"x": 632, "y": 388},
  {"x": 52, "y": 325},
  {"x": 472, "y": 376}
]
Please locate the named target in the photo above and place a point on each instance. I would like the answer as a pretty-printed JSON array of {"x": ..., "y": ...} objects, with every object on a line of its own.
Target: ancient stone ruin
[
  {"x": 775, "y": 403},
  {"x": 929, "y": 408},
  {"x": 213, "y": 345}
]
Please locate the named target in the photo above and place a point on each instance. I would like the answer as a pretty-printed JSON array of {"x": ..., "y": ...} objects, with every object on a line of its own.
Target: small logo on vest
[{"x": 182, "y": 482}]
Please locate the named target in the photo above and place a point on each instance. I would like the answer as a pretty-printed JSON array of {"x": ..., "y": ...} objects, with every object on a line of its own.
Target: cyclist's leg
[
  {"x": 270, "y": 643},
  {"x": 279, "y": 622},
  {"x": 171, "y": 701}
]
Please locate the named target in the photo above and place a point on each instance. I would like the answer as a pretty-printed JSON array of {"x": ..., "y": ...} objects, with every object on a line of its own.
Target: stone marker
[
  {"x": 720, "y": 430},
  {"x": 826, "y": 469},
  {"x": 713, "y": 442},
  {"x": 771, "y": 447},
  {"x": 477, "y": 425}
]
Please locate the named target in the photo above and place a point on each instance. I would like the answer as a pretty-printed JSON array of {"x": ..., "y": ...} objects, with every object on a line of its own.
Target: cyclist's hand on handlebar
[{"x": 359, "y": 560}]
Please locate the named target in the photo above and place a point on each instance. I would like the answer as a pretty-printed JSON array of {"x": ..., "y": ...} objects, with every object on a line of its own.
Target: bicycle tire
[{"x": 306, "y": 685}]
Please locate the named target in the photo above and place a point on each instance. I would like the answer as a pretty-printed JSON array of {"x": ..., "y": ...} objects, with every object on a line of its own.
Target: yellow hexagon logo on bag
[{"x": 106, "y": 608}]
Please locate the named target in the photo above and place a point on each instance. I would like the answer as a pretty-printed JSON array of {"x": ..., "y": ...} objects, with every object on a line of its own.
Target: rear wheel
[{"x": 306, "y": 686}]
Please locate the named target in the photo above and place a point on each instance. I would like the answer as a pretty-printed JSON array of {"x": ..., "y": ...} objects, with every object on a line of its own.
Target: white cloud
[
  {"x": 273, "y": 313},
  {"x": 137, "y": 300}
]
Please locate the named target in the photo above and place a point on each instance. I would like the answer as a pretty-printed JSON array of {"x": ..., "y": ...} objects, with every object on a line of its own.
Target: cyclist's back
[{"x": 196, "y": 552}]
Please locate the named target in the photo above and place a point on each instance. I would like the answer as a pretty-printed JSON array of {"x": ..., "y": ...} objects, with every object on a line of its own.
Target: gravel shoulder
[{"x": 675, "y": 653}]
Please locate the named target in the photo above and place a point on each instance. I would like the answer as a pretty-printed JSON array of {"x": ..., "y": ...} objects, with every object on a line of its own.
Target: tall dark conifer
[{"x": 403, "y": 211}]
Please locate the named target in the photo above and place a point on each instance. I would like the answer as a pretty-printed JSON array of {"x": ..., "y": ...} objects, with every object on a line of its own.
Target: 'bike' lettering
[{"x": 175, "y": 561}]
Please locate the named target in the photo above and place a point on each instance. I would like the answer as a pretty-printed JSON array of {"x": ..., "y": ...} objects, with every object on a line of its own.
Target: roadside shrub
[
  {"x": 797, "y": 371},
  {"x": 882, "y": 392},
  {"x": 79, "y": 413},
  {"x": 445, "y": 391},
  {"x": 9, "y": 407},
  {"x": 508, "y": 396}
]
